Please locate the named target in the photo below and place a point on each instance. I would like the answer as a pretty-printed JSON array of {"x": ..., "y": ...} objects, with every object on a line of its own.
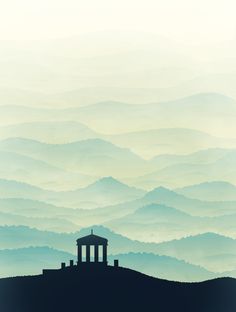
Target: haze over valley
[{"x": 131, "y": 133}]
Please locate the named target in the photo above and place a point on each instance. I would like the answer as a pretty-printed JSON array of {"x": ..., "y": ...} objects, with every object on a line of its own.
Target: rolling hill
[
  {"x": 15, "y": 189},
  {"x": 55, "y": 223},
  {"x": 31, "y": 260},
  {"x": 93, "y": 157},
  {"x": 210, "y": 191},
  {"x": 14, "y": 166},
  {"x": 163, "y": 267},
  {"x": 158, "y": 222},
  {"x": 179, "y": 175},
  {"x": 191, "y": 206},
  {"x": 202, "y": 250},
  {"x": 33, "y": 208},
  {"x": 155, "y": 222},
  {"x": 125, "y": 209},
  {"x": 184, "y": 113},
  {"x": 206, "y": 156},
  {"x": 170, "y": 141},
  {"x": 136, "y": 291},
  {"x": 104, "y": 192},
  {"x": 49, "y": 132}
]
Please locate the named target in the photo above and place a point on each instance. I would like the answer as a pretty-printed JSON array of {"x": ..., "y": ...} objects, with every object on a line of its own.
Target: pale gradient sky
[{"x": 188, "y": 20}]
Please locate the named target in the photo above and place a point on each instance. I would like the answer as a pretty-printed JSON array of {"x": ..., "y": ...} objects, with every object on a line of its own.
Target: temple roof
[{"x": 92, "y": 239}]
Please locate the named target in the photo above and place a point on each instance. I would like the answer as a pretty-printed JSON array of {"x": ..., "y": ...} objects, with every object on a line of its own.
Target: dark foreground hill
[{"x": 113, "y": 289}]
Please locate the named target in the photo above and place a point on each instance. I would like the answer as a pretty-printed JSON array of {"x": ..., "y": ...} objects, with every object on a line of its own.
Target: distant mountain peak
[
  {"x": 99, "y": 230},
  {"x": 217, "y": 183},
  {"x": 160, "y": 191},
  {"x": 161, "y": 210},
  {"x": 107, "y": 182},
  {"x": 208, "y": 235},
  {"x": 210, "y": 191},
  {"x": 210, "y": 96},
  {"x": 110, "y": 182}
]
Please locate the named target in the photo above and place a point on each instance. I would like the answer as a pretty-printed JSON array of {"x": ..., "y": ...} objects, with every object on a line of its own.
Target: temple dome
[{"x": 92, "y": 239}]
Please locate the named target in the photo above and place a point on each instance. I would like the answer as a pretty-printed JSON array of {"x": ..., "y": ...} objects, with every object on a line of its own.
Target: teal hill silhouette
[
  {"x": 205, "y": 250},
  {"x": 210, "y": 191}
]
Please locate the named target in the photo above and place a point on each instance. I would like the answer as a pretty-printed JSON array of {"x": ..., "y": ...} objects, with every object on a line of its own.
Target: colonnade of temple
[{"x": 96, "y": 253}]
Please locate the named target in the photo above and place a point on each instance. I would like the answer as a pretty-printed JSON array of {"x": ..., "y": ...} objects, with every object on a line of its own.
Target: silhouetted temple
[
  {"x": 91, "y": 253},
  {"x": 95, "y": 248}
]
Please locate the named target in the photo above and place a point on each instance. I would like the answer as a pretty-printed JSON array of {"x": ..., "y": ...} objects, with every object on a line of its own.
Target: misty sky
[{"x": 184, "y": 20}]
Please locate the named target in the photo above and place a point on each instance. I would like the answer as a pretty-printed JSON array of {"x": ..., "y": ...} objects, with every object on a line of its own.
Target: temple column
[
  {"x": 96, "y": 254},
  {"x": 104, "y": 254},
  {"x": 87, "y": 253},
  {"x": 79, "y": 254}
]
